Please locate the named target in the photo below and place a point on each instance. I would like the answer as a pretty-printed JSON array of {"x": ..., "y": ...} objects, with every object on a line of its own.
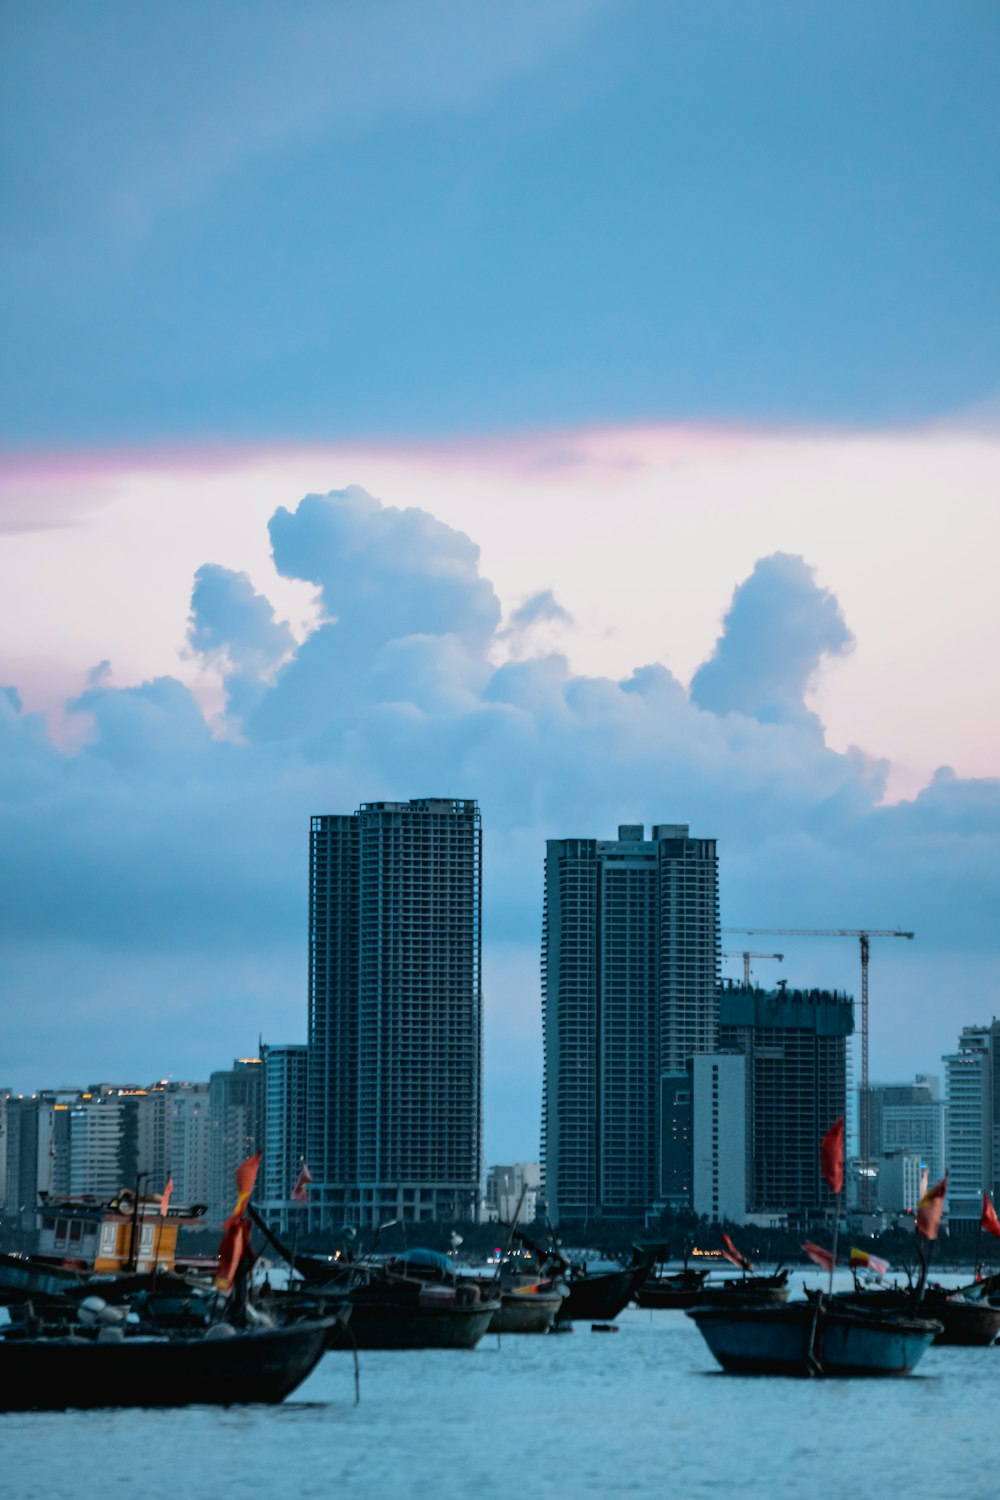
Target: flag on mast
[
  {"x": 236, "y": 1229},
  {"x": 825, "y": 1259},
  {"x": 873, "y": 1263},
  {"x": 731, "y": 1253},
  {"x": 988, "y": 1219},
  {"x": 831, "y": 1156},
  {"x": 930, "y": 1208},
  {"x": 165, "y": 1196},
  {"x": 300, "y": 1192}
]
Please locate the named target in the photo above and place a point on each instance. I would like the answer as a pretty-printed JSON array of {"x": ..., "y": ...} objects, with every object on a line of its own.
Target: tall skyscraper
[
  {"x": 394, "y": 1110},
  {"x": 630, "y": 969}
]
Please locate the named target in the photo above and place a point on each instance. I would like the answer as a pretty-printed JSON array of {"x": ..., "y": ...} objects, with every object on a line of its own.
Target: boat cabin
[{"x": 127, "y": 1234}]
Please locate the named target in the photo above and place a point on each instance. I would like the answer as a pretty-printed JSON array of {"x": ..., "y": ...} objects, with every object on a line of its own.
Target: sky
[{"x": 590, "y": 408}]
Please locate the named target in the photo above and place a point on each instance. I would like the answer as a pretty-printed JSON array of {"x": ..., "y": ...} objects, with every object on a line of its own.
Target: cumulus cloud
[
  {"x": 780, "y": 628},
  {"x": 158, "y": 839}
]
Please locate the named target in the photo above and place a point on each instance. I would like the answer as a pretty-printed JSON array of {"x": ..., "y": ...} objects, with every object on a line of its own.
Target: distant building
[
  {"x": 235, "y": 1106},
  {"x": 174, "y": 1136},
  {"x": 973, "y": 1098},
  {"x": 395, "y": 1013},
  {"x": 284, "y": 1132},
  {"x": 630, "y": 965},
  {"x": 907, "y": 1119},
  {"x": 719, "y": 1154},
  {"x": 899, "y": 1181},
  {"x": 103, "y": 1140},
  {"x": 37, "y": 1152},
  {"x": 513, "y": 1191},
  {"x": 795, "y": 1046}
]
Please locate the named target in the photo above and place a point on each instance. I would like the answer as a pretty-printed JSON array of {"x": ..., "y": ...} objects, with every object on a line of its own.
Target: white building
[
  {"x": 504, "y": 1188},
  {"x": 973, "y": 1115}
]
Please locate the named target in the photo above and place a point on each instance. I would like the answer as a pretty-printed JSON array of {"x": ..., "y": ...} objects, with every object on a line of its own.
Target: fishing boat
[
  {"x": 966, "y": 1314},
  {"x": 749, "y": 1290},
  {"x": 821, "y": 1337},
  {"x": 218, "y": 1367},
  {"x": 599, "y": 1296},
  {"x": 528, "y": 1309},
  {"x": 680, "y": 1290}
]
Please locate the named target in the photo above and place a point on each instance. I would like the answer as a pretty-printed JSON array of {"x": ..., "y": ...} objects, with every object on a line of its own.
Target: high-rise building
[
  {"x": 907, "y": 1119},
  {"x": 973, "y": 1089},
  {"x": 284, "y": 1131},
  {"x": 174, "y": 1137},
  {"x": 234, "y": 1124},
  {"x": 103, "y": 1140},
  {"x": 630, "y": 966},
  {"x": 395, "y": 1013},
  {"x": 794, "y": 1043}
]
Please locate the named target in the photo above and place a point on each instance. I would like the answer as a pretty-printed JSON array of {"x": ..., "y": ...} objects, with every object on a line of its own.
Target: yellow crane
[
  {"x": 864, "y": 936},
  {"x": 746, "y": 957}
]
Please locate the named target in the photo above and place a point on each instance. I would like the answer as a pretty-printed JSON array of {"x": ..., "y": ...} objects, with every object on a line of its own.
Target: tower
[
  {"x": 630, "y": 969},
  {"x": 394, "y": 1096}
]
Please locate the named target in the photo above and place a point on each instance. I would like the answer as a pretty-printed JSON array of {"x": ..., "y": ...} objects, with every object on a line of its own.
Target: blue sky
[
  {"x": 639, "y": 365},
  {"x": 236, "y": 221}
]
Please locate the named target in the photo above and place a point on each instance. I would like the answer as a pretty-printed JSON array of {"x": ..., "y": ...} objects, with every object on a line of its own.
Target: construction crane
[
  {"x": 864, "y": 936},
  {"x": 746, "y": 957}
]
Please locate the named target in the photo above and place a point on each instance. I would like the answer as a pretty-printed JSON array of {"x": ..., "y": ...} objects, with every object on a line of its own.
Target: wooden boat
[
  {"x": 966, "y": 1314},
  {"x": 221, "y": 1367},
  {"x": 390, "y": 1311},
  {"x": 748, "y": 1291},
  {"x": 528, "y": 1309},
  {"x": 819, "y": 1337},
  {"x": 681, "y": 1290},
  {"x": 599, "y": 1296}
]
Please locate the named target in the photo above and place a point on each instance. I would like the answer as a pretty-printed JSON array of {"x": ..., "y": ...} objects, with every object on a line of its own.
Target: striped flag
[{"x": 866, "y": 1262}]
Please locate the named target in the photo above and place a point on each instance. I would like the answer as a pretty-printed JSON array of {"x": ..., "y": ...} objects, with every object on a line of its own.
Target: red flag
[
  {"x": 831, "y": 1156},
  {"x": 235, "y": 1238},
  {"x": 165, "y": 1196},
  {"x": 930, "y": 1208},
  {"x": 731, "y": 1253},
  {"x": 246, "y": 1177},
  {"x": 989, "y": 1220},
  {"x": 823, "y": 1258},
  {"x": 300, "y": 1192}
]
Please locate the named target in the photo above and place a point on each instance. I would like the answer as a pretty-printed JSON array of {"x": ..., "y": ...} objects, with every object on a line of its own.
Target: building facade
[
  {"x": 794, "y": 1043},
  {"x": 907, "y": 1119},
  {"x": 630, "y": 967},
  {"x": 235, "y": 1106},
  {"x": 284, "y": 1132},
  {"x": 395, "y": 1013},
  {"x": 719, "y": 1156},
  {"x": 973, "y": 1098}
]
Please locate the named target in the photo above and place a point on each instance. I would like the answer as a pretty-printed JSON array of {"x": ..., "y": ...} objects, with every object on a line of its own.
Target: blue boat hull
[{"x": 804, "y": 1338}]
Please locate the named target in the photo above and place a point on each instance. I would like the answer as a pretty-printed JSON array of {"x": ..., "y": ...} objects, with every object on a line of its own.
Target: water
[{"x": 641, "y": 1412}]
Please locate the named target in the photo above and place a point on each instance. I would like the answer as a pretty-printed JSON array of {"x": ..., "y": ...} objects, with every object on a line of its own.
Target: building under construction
[{"x": 794, "y": 1046}]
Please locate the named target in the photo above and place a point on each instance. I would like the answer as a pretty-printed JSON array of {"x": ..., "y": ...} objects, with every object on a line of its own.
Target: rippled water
[{"x": 641, "y": 1412}]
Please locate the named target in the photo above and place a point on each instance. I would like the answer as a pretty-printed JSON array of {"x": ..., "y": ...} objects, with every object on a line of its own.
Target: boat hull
[
  {"x": 521, "y": 1312},
  {"x": 387, "y": 1325},
  {"x": 56, "y": 1374},
  {"x": 802, "y": 1338},
  {"x": 602, "y": 1297}
]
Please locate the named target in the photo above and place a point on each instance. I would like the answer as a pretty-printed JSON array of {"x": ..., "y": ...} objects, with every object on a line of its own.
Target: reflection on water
[{"x": 629, "y": 1414}]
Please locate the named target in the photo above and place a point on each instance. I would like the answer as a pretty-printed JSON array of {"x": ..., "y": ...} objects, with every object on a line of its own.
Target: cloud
[
  {"x": 159, "y": 839},
  {"x": 780, "y": 629}
]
